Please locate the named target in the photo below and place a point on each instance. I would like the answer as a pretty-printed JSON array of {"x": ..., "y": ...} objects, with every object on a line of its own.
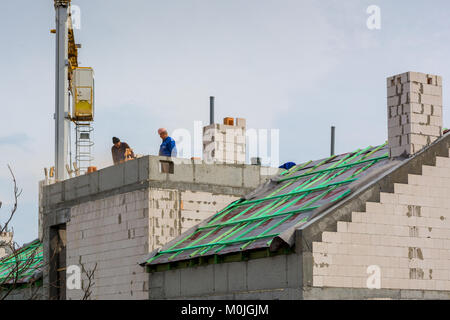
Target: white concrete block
[
  {"x": 412, "y": 108},
  {"x": 432, "y": 90},
  {"x": 388, "y": 198},
  {"x": 417, "y": 77},
  {"x": 431, "y": 99}
]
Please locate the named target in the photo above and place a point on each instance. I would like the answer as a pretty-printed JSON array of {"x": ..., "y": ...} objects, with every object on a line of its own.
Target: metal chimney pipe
[
  {"x": 211, "y": 110},
  {"x": 333, "y": 129}
]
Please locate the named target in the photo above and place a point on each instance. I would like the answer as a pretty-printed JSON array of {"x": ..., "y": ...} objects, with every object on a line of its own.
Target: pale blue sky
[{"x": 298, "y": 66}]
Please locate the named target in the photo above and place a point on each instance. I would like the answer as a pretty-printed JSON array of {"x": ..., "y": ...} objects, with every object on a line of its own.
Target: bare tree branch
[
  {"x": 17, "y": 259},
  {"x": 17, "y": 194},
  {"x": 90, "y": 280},
  {"x": 21, "y": 264}
]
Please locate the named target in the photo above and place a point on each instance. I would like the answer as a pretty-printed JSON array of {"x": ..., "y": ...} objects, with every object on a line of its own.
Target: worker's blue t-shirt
[{"x": 168, "y": 148}]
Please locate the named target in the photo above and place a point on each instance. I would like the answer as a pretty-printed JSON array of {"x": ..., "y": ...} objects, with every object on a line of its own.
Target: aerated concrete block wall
[
  {"x": 405, "y": 237},
  {"x": 172, "y": 211},
  {"x": 198, "y": 206},
  {"x": 117, "y": 215},
  {"x": 5, "y": 241},
  {"x": 116, "y": 232},
  {"x": 414, "y": 112},
  {"x": 113, "y": 233},
  {"x": 224, "y": 143},
  {"x": 165, "y": 222}
]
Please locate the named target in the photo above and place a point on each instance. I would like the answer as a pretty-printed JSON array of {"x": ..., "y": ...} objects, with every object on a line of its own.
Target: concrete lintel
[
  {"x": 146, "y": 171},
  {"x": 56, "y": 217}
]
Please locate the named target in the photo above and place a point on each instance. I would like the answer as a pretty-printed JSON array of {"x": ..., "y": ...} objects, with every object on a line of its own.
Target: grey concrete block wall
[
  {"x": 237, "y": 277},
  {"x": 313, "y": 293},
  {"x": 193, "y": 282},
  {"x": 32, "y": 293},
  {"x": 276, "y": 277}
]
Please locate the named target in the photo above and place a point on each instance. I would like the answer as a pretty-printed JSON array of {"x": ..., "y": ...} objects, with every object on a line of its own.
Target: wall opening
[
  {"x": 57, "y": 267},
  {"x": 167, "y": 166}
]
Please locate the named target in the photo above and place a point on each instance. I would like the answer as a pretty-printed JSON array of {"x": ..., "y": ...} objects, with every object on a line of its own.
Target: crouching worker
[{"x": 121, "y": 151}]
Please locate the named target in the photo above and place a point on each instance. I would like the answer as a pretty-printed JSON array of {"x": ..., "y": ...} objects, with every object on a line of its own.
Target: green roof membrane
[
  {"x": 23, "y": 264},
  {"x": 289, "y": 200}
]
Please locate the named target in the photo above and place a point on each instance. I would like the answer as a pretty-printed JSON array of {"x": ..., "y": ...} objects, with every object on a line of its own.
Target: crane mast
[
  {"x": 62, "y": 122},
  {"x": 70, "y": 78}
]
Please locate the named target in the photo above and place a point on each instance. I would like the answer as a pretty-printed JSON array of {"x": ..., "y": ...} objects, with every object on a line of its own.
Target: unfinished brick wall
[
  {"x": 109, "y": 223},
  {"x": 112, "y": 232},
  {"x": 118, "y": 231},
  {"x": 414, "y": 112},
  {"x": 224, "y": 143},
  {"x": 172, "y": 212},
  {"x": 407, "y": 235},
  {"x": 164, "y": 215},
  {"x": 198, "y": 206}
]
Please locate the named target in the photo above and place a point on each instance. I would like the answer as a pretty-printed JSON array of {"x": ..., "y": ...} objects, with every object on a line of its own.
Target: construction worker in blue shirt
[{"x": 168, "y": 147}]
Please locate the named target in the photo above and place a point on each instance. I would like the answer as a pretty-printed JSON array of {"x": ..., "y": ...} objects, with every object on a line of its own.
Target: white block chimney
[
  {"x": 225, "y": 143},
  {"x": 414, "y": 105}
]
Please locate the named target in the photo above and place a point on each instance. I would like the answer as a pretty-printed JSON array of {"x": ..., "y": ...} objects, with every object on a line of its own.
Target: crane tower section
[{"x": 83, "y": 115}]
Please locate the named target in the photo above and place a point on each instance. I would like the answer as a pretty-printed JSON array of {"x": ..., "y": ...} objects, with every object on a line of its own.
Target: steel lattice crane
[{"x": 76, "y": 82}]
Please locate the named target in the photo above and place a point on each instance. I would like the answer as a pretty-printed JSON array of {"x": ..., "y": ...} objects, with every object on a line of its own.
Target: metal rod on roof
[
  {"x": 211, "y": 110},
  {"x": 333, "y": 130}
]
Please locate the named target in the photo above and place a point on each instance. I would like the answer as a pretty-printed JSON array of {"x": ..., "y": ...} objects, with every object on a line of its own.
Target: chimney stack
[
  {"x": 225, "y": 143},
  {"x": 414, "y": 105}
]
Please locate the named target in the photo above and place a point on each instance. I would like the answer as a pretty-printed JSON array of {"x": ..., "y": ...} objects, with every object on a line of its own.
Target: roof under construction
[
  {"x": 23, "y": 266},
  {"x": 270, "y": 214}
]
